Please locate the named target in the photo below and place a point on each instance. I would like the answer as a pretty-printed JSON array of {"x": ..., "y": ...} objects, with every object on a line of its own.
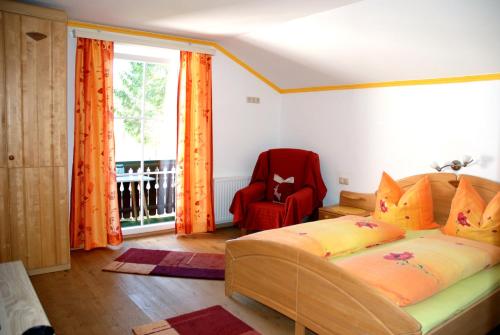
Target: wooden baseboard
[{"x": 49, "y": 269}]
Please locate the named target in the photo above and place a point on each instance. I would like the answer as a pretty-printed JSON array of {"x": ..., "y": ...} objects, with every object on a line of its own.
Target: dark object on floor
[{"x": 40, "y": 330}]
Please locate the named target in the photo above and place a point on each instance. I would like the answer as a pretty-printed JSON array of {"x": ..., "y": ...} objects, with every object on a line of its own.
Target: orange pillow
[
  {"x": 411, "y": 210},
  {"x": 471, "y": 218}
]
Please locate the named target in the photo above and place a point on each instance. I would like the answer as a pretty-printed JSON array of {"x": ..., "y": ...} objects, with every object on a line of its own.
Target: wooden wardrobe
[{"x": 33, "y": 138}]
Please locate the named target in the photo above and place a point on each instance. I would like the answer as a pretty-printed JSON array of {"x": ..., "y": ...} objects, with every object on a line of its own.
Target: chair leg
[{"x": 299, "y": 328}]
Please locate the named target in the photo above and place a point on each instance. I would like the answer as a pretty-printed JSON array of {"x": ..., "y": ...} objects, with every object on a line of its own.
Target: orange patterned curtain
[
  {"x": 94, "y": 218},
  {"x": 194, "y": 195}
]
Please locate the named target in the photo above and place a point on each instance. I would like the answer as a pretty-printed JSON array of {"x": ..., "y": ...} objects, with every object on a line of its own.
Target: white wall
[
  {"x": 402, "y": 130},
  {"x": 241, "y": 130}
]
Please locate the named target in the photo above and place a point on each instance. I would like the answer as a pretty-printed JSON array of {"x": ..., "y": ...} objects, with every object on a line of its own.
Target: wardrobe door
[
  {"x": 36, "y": 67},
  {"x": 21, "y": 192},
  {"x": 14, "y": 244},
  {"x": 35, "y": 134}
]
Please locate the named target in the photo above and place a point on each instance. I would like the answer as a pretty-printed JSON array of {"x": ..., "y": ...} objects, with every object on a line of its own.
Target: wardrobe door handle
[{"x": 11, "y": 157}]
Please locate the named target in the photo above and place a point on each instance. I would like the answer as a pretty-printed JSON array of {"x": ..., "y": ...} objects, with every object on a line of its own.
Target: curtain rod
[{"x": 141, "y": 40}]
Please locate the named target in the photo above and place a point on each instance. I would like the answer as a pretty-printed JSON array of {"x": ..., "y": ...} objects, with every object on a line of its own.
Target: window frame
[{"x": 142, "y": 228}]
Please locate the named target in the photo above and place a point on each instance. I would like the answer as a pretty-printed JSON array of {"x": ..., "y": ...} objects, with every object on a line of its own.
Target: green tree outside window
[{"x": 130, "y": 97}]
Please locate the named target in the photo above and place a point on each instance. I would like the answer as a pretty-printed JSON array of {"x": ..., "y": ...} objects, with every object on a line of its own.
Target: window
[{"x": 145, "y": 100}]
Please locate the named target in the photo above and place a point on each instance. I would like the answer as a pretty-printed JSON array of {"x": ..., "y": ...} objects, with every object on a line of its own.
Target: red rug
[
  {"x": 214, "y": 320},
  {"x": 169, "y": 263}
]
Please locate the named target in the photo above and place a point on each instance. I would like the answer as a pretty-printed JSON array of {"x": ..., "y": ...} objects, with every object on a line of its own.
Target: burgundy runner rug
[
  {"x": 214, "y": 320},
  {"x": 169, "y": 263}
]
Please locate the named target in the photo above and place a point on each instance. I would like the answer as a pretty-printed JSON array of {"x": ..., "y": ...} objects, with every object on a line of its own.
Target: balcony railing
[{"x": 159, "y": 192}]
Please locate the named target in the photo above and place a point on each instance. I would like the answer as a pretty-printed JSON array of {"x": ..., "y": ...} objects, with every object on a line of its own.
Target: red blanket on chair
[{"x": 307, "y": 193}]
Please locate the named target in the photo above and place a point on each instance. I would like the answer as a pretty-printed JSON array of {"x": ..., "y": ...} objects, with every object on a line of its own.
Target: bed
[{"x": 322, "y": 297}]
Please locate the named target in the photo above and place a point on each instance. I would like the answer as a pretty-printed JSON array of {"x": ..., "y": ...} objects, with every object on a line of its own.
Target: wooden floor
[{"x": 86, "y": 300}]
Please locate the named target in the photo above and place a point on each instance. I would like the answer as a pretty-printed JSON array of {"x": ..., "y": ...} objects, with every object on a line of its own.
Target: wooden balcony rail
[{"x": 159, "y": 192}]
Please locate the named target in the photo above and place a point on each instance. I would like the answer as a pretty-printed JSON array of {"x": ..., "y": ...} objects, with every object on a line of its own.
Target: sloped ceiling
[{"x": 297, "y": 43}]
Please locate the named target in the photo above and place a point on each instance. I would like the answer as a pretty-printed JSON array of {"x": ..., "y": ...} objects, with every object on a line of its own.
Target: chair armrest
[
  {"x": 303, "y": 197},
  {"x": 364, "y": 201},
  {"x": 254, "y": 192},
  {"x": 299, "y": 205},
  {"x": 247, "y": 195}
]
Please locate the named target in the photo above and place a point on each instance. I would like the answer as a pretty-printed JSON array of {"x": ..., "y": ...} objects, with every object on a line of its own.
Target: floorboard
[{"x": 86, "y": 300}]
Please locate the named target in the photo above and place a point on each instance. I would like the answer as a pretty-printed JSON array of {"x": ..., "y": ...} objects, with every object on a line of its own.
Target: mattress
[
  {"x": 442, "y": 306},
  {"x": 445, "y": 304}
]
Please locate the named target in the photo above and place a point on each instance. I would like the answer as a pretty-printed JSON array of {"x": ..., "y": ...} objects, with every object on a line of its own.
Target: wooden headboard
[
  {"x": 486, "y": 188},
  {"x": 443, "y": 187}
]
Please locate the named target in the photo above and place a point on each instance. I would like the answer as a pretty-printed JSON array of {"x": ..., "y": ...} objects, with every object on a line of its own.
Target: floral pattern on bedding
[{"x": 413, "y": 270}]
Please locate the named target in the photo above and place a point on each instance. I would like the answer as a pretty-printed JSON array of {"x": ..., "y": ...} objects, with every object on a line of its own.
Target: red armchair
[{"x": 286, "y": 186}]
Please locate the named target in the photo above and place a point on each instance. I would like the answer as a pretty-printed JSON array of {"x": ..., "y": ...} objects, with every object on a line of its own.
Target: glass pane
[
  {"x": 128, "y": 155},
  {"x": 156, "y": 80},
  {"x": 128, "y": 144},
  {"x": 145, "y": 138},
  {"x": 159, "y": 165},
  {"x": 160, "y": 138},
  {"x": 127, "y": 82}
]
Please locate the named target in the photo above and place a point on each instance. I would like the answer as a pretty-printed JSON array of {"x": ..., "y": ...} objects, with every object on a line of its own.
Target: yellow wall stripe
[
  {"x": 120, "y": 30},
  {"x": 247, "y": 67},
  {"x": 431, "y": 81}
]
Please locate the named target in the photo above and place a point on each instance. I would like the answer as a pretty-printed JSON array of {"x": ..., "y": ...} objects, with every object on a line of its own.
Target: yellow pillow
[
  {"x": 411, "y": 210},
  {"x": 471, "y": 218}
]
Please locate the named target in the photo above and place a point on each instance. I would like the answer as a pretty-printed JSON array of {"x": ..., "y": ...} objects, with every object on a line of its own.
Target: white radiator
[{"x": 224, "y": 190}]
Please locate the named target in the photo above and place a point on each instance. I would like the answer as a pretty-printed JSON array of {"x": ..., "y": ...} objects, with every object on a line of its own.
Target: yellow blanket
[{"x": 333, "y": 237}]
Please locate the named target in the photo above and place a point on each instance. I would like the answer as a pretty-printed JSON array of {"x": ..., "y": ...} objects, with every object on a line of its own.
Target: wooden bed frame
[{"x": 320, "y": 296}]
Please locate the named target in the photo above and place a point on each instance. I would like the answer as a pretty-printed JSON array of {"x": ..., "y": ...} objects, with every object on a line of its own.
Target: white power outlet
[{"x": 343, "y": 180}]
